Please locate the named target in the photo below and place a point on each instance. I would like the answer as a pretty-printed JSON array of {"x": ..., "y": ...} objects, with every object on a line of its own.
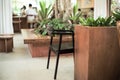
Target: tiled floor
[{"x": 19, "y": 65}]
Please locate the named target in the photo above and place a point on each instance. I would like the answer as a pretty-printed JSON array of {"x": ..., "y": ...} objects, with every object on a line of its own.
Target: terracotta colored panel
[
  {"x": 104, "y": 54},
  {"x": 6, "y": 44},
  {"x": 81, "y": 53},
  {"x": 97, "y": 53},
  {"x": 118, "y": 29},
  {"x": 38, "y": 44},
  {"x": 38, "y": 50}
]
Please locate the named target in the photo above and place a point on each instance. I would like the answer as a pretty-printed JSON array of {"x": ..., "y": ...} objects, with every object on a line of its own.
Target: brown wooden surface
[
  {"x": 118, "y": 29},
  {"x": 19, "y": 22},
  {"x": 97, "y": 53},
  {"x": 30, "y": 37},
  {"x": 16, "y": 24},
  {"x": 6, "y": 43},
  {"x": 39, "y": 50},
  {"x": 24, "y": 24},
  {"x": 37, "y": 44}
]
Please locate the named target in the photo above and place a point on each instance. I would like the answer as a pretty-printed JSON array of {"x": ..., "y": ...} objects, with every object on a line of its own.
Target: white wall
[{"x": 100, "y": 8}]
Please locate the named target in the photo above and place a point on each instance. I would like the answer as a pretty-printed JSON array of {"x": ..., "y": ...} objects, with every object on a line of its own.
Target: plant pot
[
  {"x": 97, "y": 53},
  {"x": 118, "y": 29},
  {"x": 37, "y": 44}
]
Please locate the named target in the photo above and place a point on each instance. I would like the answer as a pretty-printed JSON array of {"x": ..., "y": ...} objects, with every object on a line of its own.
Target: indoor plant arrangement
[
  {"x": 99, "y": 22},
  {"x": 46, "y": 23},
  {"x": 75, "y": 15},
  {"x": 96, "y": 49},
  {"x": 117, "y": 22}
]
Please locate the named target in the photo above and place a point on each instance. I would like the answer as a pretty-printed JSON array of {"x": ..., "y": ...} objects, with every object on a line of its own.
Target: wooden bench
[{"x": 6, "y": 43}]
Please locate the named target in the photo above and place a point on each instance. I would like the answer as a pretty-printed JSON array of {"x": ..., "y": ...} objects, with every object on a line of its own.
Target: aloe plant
[
  {"x": 44, "y": 11},
  {"x": 116, "y": 16},
  {"x": 53, "y": 24},
  {"x": 100, "y": 21},
  {"x": 40, "y": 27},
  {"x": 74, "y": 16},
  {"x": 44, "y": 19}
]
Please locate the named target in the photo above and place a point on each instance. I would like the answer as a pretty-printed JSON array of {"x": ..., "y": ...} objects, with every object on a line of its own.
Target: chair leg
[
  {"x": 56, "y": 67},
  {"x": 48, "y": 58}
]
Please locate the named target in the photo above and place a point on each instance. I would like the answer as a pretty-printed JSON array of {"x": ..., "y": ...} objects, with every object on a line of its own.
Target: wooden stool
[{"x": 6, "y": 43}]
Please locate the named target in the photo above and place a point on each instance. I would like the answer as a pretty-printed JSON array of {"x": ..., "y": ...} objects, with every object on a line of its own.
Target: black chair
[{"x": 60, "y": 48}]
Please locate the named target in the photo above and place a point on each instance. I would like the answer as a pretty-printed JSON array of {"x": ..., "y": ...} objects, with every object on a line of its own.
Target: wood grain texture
[
  {"x": 37, "y": 44},
  {"x": 97, "y": 53},
  {"x": 6, "y": 43},
  {"x": 118, "y": 30},
  {"x": 19, "y": 22}
]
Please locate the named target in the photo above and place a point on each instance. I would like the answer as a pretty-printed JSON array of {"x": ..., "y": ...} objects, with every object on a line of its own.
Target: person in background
[
  {"x": 23, "y": 10},
  {"x": 31, "y": 14}
]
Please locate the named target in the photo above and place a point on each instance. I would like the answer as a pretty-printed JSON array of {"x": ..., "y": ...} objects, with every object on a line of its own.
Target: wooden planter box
[
  {"x": 97, "y": 53},
  {"x": 118, "y": 29},
  {"x": 37, "y": 44}
]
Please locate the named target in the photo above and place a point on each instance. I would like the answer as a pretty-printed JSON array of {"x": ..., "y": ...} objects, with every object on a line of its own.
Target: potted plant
[
  {"x": 39, "y": 47},
  {"x": 45, "y": 22},
  {"x": 44, "y": 18},
  {"x": 36, "y": 42},
  {"x": 75, "y": 15},
  {"x": 116, "y": 16},
  {"x": 96, "y": 50}
]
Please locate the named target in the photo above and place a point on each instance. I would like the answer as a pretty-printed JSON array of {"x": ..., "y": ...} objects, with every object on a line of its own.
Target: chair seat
[{"x": 65, "y": 48}]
